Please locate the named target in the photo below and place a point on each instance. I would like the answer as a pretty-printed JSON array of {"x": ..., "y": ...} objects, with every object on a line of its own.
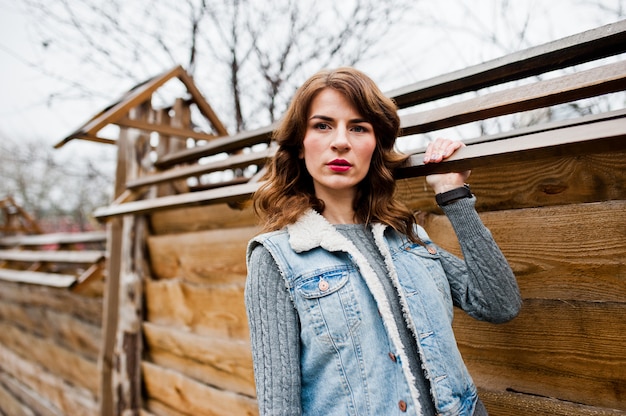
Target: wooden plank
[
  {"x": 202, "y": 103},
  {"x": 38, "y": 278},
  {"x": 219, "y": 145},
  {"x": 230, "y": 162},
  {"x": 164, "y": 129},
  {"x": 587, "y": 46},
  {"x": 9, "y": 404},
  {"x": 518, "y": 404},
  {"x": 568, "y": 252},
  {"x": 85, "y": 308},
  {"x": 93, "y": 273},
  {"x": 534, "y": 182},
  {"x": 207, "y": 311},
  {"x": 596, "y": 137},
  {"x": 66, "y": 330},
  {"x": 44, "y": 391},
  {"x": 86, "y": 237},
  {"x": 54, "y": 256},
  {"x": 235, "y": 193},
  {"x": 210, "y": 217},
  {"x": 58, "y": 360},
  {"x": 191, "y": 397},
  {"x": 220, "y": 362},
  {"x": 590, "y": 83},
  {"x": 110, "y": 316},
  {"x": 568, "y": 350},
  {"x": 209, "y": 257}
]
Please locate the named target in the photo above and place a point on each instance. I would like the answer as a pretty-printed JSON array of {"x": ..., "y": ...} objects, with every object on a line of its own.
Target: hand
[{"x": 437, "y": 151}]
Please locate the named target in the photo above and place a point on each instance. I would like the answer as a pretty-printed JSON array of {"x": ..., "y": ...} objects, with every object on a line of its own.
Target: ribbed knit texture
[{"x": 484, "y": 293}]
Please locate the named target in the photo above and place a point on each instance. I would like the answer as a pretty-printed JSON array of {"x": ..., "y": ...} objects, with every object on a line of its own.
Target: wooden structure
[{"x": 175, "y": 337}]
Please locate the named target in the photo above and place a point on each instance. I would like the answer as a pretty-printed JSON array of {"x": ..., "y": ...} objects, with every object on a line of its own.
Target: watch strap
[{"x": 452, "y": 195}]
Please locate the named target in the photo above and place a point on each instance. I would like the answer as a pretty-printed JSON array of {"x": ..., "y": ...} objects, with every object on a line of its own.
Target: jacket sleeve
[
  {"x": 482, "y": 284},
  {"x": 274, "y": 335}
]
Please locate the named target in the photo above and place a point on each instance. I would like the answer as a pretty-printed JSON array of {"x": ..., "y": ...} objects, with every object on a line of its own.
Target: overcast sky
[{"x": 24, "y": 90}]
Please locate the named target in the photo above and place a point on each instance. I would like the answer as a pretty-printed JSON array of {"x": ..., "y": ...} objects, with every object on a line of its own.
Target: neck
[{"x": 338, "y": 213}]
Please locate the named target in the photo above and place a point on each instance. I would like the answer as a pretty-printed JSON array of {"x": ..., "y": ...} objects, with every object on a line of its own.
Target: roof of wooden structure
[
  {"x": 117, "y": 112},
  {"x": 15, "y": 220}
]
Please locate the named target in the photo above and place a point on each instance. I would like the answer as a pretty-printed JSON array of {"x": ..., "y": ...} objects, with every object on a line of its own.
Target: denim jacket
[{"x": 345, "y": 345}]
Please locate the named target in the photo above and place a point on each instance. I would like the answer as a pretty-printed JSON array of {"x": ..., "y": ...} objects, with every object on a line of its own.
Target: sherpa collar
[{"x": 313, "y": 230}]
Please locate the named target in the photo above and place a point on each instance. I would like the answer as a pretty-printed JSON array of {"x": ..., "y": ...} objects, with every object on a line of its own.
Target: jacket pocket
[
  {"x": 327, "y": 304},
  {"x": 422, "y": 268}
]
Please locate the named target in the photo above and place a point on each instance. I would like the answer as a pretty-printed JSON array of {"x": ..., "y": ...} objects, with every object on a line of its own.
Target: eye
[
  {"x": 360, "y": 129},
  {"x": 321, "y": 126}
]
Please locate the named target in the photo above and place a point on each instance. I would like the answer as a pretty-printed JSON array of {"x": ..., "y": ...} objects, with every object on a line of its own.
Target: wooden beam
[
  {"x": 232, "y": 162},
  {"x": 54, "y": 238},
  {"x": 219, "y": 145},
  {"x": 95, "y": 138},
  {"x": 595, "y": 137},
  {"x": 65, "y": 256},
  {"x": 202, "y": 103},
  {"x": 229, "y": 194},
  {"x": 591, "y": 45},
  {"x": 590, "y": 83},
  {"x": 94, "y": 272},
  {"x": 38, "y": 278},
  {"x": 164, "y": 129}
]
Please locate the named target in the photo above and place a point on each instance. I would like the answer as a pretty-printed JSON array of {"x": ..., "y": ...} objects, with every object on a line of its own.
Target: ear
[{"x": 301, "y": 153}]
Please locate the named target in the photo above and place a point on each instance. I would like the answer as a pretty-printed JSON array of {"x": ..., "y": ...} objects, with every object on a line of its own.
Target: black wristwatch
[{"x": 455, "y": 194}]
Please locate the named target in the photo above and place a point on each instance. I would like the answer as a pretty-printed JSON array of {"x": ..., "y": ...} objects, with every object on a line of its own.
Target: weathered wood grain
[
  {"x": 67, "y": 331},
  {"x": 86, "y": 308},
  {"x": 191, "y": 397},
  {"x": 570, "y": 252},
  {"x": 204, "y": 310},
  {"x": 517, "y": 404},
  {"x": 45, "y": 392},
  {"x": 210, "y": 217},
  {"x": 9, "y": 404},
  {"x": 64, "y": 363},
  {"x": 569, "y": 350},
  {"x": 220, "y": 362},
  {"x": 532, "y": 183},
  {"x": 212, "y": 256}
]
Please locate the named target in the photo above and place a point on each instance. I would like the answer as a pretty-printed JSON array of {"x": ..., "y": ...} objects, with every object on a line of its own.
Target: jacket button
[
  {"x": 323, "y": 285},
  {"x": 392, "y": 357},
  {"x": 402, "y": 405}
]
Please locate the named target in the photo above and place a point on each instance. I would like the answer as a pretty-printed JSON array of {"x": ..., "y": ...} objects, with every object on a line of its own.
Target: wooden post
[{"x": 122, "y": 348}]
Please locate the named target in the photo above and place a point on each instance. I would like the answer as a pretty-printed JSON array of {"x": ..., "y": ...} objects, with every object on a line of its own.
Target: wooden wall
[
  {"x": 49, "y": 347},
  {"x": 561, "y": 223},
  {"x": 197, "y": 358}
]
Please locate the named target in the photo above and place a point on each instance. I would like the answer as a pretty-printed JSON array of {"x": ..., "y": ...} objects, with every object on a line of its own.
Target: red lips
[{"x": 339, "y": 165}]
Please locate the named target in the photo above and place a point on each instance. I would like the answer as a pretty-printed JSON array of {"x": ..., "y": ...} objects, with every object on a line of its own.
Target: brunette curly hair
[{"x": 288, "y": 189}]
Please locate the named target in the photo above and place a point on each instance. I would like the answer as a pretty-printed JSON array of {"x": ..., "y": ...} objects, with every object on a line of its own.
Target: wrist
[{"x": 452, "y": 195}]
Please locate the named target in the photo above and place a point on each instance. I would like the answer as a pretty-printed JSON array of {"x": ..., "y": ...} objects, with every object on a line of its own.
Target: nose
[{"x": 340, "y": 140}]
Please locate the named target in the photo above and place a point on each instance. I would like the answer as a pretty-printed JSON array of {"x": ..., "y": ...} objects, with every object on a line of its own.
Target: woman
[{"x": 349, "y": 301}]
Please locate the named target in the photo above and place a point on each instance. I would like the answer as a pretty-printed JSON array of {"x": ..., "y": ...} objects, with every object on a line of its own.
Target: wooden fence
[{"x": 174, "y": 331}]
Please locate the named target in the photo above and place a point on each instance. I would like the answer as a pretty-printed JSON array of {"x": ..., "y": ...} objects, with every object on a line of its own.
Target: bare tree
[
  {"x": 246, "y": 55},
  {"x": 51, "y": 187}
]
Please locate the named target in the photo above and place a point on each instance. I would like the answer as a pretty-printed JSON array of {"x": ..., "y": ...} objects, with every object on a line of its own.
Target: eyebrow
[{"x": 327, "y": 118}]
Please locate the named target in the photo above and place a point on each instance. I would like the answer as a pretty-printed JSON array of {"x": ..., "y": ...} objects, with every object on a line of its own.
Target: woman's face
[{"x": 337, "y": 147}]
